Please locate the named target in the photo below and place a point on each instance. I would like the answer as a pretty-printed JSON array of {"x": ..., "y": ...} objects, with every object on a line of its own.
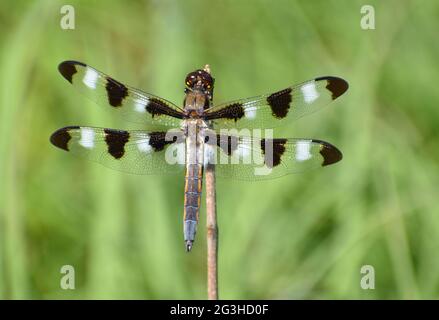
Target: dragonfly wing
[
  {"x": 246, "y": 158},
  {"x": 275, "y": 109},
  {"x": 136, "y": 151},
  {"x": 133, "y": 104}
]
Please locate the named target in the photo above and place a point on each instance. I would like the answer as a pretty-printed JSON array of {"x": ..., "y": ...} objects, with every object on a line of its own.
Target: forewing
[
  {"x": 245, "y": 158},
  {"x": 275, "y": 109},
  {"x": 136, "y": 151},
  {"x": 133, "y": 104}
]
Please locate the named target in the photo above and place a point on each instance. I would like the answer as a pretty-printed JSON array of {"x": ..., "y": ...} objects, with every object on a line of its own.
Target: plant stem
[
  {"x": 212, "y": 235},
  {"x": 212, "y": 230}
]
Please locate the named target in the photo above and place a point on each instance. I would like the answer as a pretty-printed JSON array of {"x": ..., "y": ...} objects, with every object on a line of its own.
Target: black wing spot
[
  {"x": 233, "y": 111},
  {"x": 273, "y": 149},
  {"x": 61, "y": 137},
  {"x": 280, "y": 103},
  {"x": 157, "y": 107},
  {"x": 116, "y": 92},
  {"x": 68, "y": 69},
  {"x": 158, "y": 141},
  {"x": 116, "y": 140},
  {"x": 337, "y": 86},
  {"x": 329, "y": 153}
]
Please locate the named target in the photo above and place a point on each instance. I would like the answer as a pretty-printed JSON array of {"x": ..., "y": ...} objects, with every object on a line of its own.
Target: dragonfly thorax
[{"x": 195, "y": 103}]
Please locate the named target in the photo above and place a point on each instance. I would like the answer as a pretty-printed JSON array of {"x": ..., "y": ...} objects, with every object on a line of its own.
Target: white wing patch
[
  {"x": 87, "y": 138},
  {"x": 250, "y": 112},
  {"x": 140, "y": 104},
  {"x": 310, "y": 93},
  {"x": 303, "y": 150},
  {"x": 143, "y": 145},
  {"x": 91, "y": 77}
]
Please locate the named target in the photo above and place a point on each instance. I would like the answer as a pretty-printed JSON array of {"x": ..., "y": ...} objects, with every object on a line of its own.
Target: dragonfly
[{"x": 199, "y": 133}]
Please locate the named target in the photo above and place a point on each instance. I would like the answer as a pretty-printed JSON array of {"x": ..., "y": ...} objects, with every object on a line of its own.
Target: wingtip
[
  {"x": 330, "y": 153},
  {"x": 61, "y": 137},
  {"x": 68, "y": 68},
  {"x": 336, "y": 85},
  {"x": 75, "y": 62}
]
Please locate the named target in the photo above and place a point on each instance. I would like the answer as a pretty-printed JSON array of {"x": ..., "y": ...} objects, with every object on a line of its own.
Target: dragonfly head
[{"x": 201, "y": 81}]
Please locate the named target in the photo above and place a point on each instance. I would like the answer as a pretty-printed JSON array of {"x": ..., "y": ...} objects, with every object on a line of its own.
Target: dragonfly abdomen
[{"x": 192, "y": 199}]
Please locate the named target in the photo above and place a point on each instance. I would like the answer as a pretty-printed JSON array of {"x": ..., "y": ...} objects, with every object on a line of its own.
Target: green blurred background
[{"x": 296, "y": 237}]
